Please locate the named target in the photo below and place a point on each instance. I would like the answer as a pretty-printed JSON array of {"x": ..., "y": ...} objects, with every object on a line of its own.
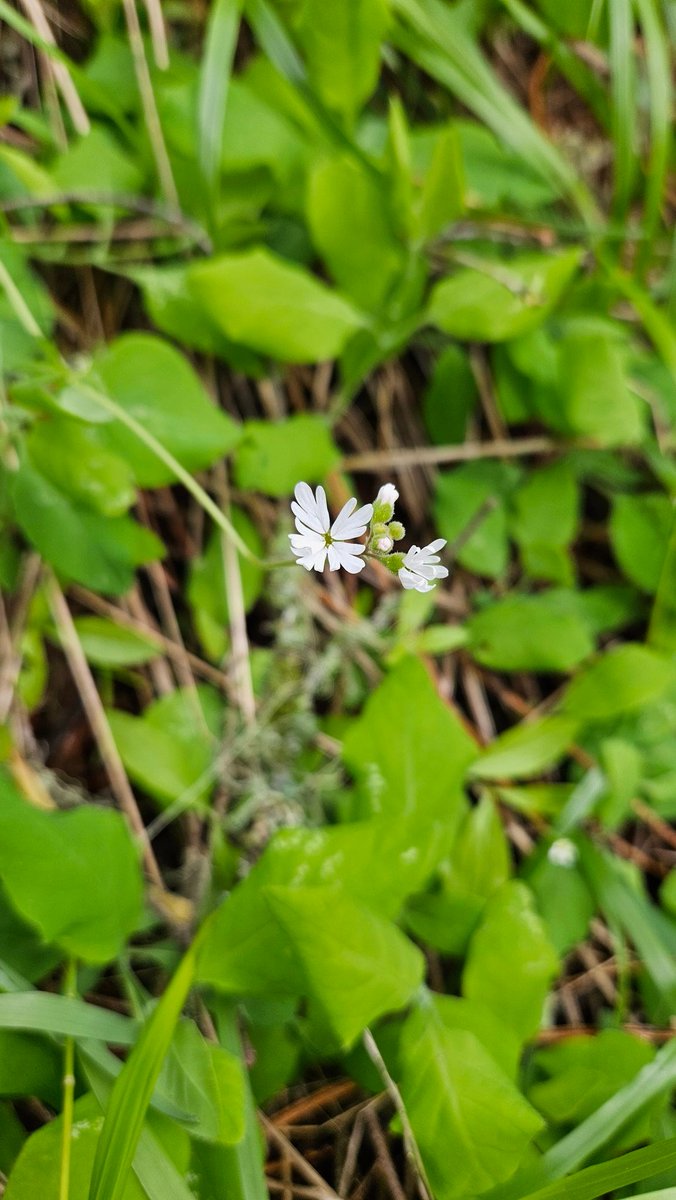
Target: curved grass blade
[
  {"x": 219, "y": 51},
  {"x": 620, "y": 1172},
  {"x": 66, "y": 1016},
  {"x": 133, "y": 1088},
  {"x": 623, "y": 109},
  {"x": 660, "y": 88},
  {"x": 434, "y": 38}
]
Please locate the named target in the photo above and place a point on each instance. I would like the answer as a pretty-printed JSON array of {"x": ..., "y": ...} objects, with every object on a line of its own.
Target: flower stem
[{"x": 69, "y": 989}]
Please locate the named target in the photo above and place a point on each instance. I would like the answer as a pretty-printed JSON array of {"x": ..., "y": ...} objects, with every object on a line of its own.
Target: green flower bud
[
  {"x": 382, "y": 511},
  {"x": 396, "y": 530},
  {"x": 393, "y": 562}
]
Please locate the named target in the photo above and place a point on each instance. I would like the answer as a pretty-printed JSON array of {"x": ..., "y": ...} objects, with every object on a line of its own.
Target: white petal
[
  {"x": 350, "y": 524},
  {"x": 305, "y": 519},
  {"x": 411, "y": 581},
  {"x": 388, "y": 494},
  {"x": 309, "y": 541},
  {"x": 438, "y": 544},
  {"x": 323, "y": 508},
  {"x": 350, "y": 557},
  {"x": 334, "y": 558},
  {"x": 319, "y": 560}
]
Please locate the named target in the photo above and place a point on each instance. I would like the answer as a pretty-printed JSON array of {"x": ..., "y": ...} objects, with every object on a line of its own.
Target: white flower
[
  {"x": 562, "y": 853},
  {"x": 317, "y": 539},
  {"x": 421, "y": 566},
  {"x": 388, "y": 494}
]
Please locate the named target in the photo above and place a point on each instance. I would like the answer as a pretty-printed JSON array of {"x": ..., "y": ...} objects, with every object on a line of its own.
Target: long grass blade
[
  {"x": 66, "y": 1016},
  {"x": 133, "y": 1088},
  {"x": 660, "y": 89},
  {"x": 620, "y": 1172},
  {"x": 215, "y": 72},
  {"x": 437, "y": 41},
  {"x": 623, "y": 111}
]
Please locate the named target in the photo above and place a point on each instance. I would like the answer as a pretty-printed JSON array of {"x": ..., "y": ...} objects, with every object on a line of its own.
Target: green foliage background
[{"x": 258, "y": 829}]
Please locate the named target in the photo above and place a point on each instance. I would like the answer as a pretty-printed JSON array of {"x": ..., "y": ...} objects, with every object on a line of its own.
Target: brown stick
[{"x": 377, "y": 460}]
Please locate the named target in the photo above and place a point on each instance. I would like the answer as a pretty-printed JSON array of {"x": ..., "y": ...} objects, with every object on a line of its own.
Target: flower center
[{"x": 328, "y": 540}]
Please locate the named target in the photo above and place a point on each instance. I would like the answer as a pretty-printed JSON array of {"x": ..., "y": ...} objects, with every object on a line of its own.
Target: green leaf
[
  {"x": 639, "y": 535},
  {"x": 623, "y": 679},
  {"x": 37, "y": 1169},
  {"x": 408, "y": 749},
  {"x": 274, "y": 306},
  {"x": 75, "y": 874},
  {"x": 544, "y": 520},
  {"x": 501, "y": 299},
  {"x": 563, "y": 897},
  {"x": 29, "y": 1066},
  {"x": 526, "y": 750},
  {"x": 18, "y": 346},
  {"x": 107, "y": 644},
  {"x": 450, "y": 397},
  {"x": 84, "y": 468},
  {"x": 357, "y": 965},
  {"x": 443, "y": 193},
  {"x": 66, "y": 1016},
  {"x": 662, "y": 629},
  {"x": 207, "y": 1081},
  {"x": 597, "y": 402},
  {"x": 219, "y": 51},
  {"x": 529, "y": 633},
  {"x": 455, "y": 1012},
  {"x": 272, "y": 457},
  {"x": 454, "y": 1093},
  {"x": 133, "y": 1088},
  {"x": 348, "y": 216},
  {"x": 157, "y": 386},
  {"x": 511, "y": 962},
  {"x": 99, "y": 552},
  {"x": 581, "y": 1073},
  {"x": 97, "y": 164},
  {"x": 207, "y": 591},
  {"x": 172, "y": 747},
  {"x": 342, "y": 51},
  {"x": 476, "y": 492},
  {"x": 244, "y": 953}
]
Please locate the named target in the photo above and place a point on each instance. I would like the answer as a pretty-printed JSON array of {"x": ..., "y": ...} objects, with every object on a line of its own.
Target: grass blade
[
  {"x": 661, "y": 93},
  {"x": 662, "y": 628},
  {"x": 219, "y": 52},
  {"x": 65, "y": 1016},
  {"x": 240, "y": 1167},
  {"x": 134, "y": 1086},
  {"x": 434, "y": 38},
  {"x": 623, "y": 109},
  {"x": 620, "y": 1172}
]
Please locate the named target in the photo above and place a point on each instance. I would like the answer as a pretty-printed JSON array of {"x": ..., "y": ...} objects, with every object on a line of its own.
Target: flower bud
[
  {"x": 384, "y": 544},
  {"x": 396, "y": 530},
  {"x": 393, "y": 562},
  {"x": 384, "y": 503}
]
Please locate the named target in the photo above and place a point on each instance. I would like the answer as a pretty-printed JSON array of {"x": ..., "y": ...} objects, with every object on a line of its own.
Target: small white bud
[
  {"x": 562, "y": 853},
  {"x": 388, "y": 494},
  {"x": 384, "y": 545}
]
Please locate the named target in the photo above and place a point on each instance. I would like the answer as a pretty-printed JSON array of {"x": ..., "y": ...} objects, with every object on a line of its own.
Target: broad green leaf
[
  {"x": 17, "y": 345},
  {"x": 342, "y": 50},
  {"x": 206, "y": 1081},
  {"x": 23, "y": 950},
  {"x": 74, "y": 874},
  {"x": 450, "y": 396},
  {"x": 172, "y": 747},
  {"x": 245, "y": 953},
  {"x": 95, "y": 164},
  {"x": 274, "y": 306},
  {"x": 84, "y": 469},
  {"x": 473, "y": 497},
  {"x": 207, "y": 591},
  {"x": 455, "y": 1012},
  {"x": 157, "y": 386},
  {"x": 272, "y": 457},
  {"x": 623, "y": 679},
  {"x": 37, "y": 1169},
  {"x": 639, "y": 534},
  {"x": 99, "y": 552},
  {"x": 443, "y": 194},
  {"x": 357, "y": 965},
  {"x": 529, "y": 633},
  {"x": 378, "y": 862},
  {"x": 408, "y": 749},
  {"x": 596, "y": 399},
  {"x": 171, "y": 307},
  {"x": 564, "y": 898},
  {"x": 662, "y": 629},
  {"x": 511, "y": 962},
  {"x": 347, "y": 209},
  {"x": 544, "y": 520},
  {"x": 107, "y": 644},
  {"x": 29, "y": 1066},
  {"x": 500, "y": 299},
  {"x": 581, "y": 1073},
  {"x": 454, "y": 1093},
  {"x": 526, "y": 750}
]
